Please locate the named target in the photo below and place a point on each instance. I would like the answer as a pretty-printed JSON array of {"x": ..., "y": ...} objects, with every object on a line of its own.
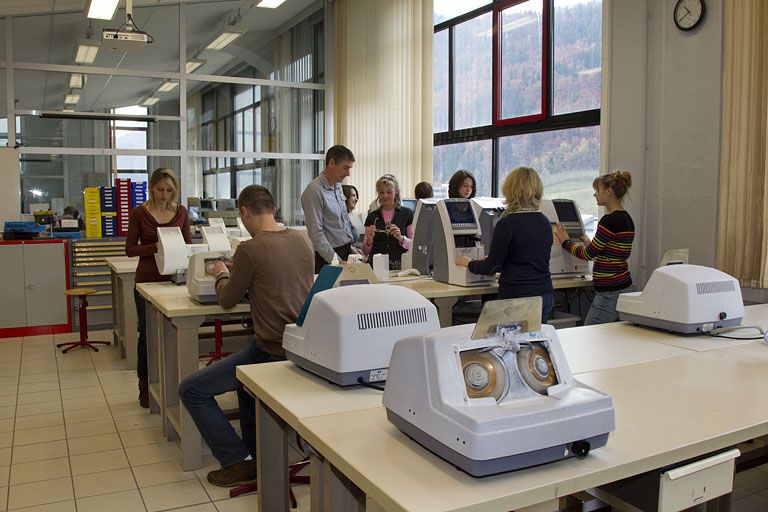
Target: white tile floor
[{"x": 73, "y": 438}]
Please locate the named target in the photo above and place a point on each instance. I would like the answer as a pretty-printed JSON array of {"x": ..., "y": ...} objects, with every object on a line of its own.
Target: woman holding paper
[{"x": 161, "y": 210}]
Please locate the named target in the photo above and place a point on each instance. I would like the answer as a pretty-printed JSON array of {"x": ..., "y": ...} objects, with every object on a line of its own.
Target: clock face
[{"x": 688, "y": 14}]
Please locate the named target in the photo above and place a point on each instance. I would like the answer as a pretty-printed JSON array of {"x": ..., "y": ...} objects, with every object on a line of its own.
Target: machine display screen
[
  {"x": 460, "y": 213},
  {"x": 410, "y": 204},
  {"x": 566, "y": 211}
]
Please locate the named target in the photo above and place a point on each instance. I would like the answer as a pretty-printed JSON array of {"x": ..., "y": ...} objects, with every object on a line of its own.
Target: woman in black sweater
[{"x": 521, "y": 243}]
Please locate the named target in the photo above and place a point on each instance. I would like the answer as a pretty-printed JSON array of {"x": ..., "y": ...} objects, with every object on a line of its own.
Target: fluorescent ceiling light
[
  {"x": 193, "y": 64},
  {"x": 270, "y": 4},
  {"x": 76, "y": 81},
  {"x": 86, "y": 52},
  {"x": 224, "y": 39},
  {"x": 168, "y": 85},
  {"x": 71, "y": 99},
  {"x": 68, "y": 110},
  {"x": 101, "y": 9},
  {"x": 148, "y": 102}
]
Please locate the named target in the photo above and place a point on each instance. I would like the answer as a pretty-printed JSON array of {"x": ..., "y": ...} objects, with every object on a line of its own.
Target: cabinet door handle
[{"x": 31, "y": 286}]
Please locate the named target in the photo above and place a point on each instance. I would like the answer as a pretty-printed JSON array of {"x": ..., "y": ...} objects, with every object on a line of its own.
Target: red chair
[
  {"x": 293, "y": 478},
  {"x": 82, "y": 307},
  {"x": 218, "y": 343}
]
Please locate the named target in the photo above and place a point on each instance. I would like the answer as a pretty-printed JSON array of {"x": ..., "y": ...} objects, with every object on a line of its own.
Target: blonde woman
[
  {"x": 161, "y": 210},
  {"x": 521, "y": 243},
  {"x": 388, "y": 229}
]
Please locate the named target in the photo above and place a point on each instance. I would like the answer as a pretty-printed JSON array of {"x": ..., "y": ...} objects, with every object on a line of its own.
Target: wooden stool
[{"x": 83, "y": 309}]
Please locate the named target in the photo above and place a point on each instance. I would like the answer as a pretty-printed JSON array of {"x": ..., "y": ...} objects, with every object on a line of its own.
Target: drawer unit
[{"x": 88, "y": 268}]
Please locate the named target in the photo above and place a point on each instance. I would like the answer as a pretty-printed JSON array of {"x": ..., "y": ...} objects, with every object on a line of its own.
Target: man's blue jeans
[{"x": 197, "y": 393}]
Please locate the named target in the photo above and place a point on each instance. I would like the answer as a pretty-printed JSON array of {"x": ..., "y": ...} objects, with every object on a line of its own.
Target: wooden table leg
[
  {"x": 341, "y": 495},
  {"x": 445, "y": 310}
]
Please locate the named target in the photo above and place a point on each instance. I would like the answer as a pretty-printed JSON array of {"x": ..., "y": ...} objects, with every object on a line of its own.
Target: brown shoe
[
  {"x": 144, "y": 393},
  {"x": 238, "y": 473}
]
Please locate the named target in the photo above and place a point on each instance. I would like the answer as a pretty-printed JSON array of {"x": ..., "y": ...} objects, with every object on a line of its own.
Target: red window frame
[{"x": 496, "y": 81}]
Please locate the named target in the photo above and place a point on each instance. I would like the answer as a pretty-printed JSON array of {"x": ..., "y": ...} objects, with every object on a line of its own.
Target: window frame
[{"x": 497, "y": 130}]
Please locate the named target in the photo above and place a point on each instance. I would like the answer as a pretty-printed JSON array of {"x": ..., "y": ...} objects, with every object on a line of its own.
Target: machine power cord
[
  {"x": 718, "y": 333},
  {"x": 369, "y": 384}
]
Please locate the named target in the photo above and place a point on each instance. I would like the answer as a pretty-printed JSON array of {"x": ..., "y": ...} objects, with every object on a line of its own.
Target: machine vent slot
[
  {"x": 714, "y": 287},
  {"x": 366, "y": 321}
]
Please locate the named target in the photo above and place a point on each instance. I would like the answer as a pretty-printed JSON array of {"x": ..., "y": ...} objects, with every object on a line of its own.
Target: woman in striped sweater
[{"x": 609, "y": 249}]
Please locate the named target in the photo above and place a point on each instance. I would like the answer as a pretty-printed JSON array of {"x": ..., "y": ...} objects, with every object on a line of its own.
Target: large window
[
  {"x": 517, "y": 82},
  {"x": 130, "y": 135}
]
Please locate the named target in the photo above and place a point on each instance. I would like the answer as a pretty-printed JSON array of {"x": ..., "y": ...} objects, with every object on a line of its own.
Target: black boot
[{"x": 144, "y": 392}]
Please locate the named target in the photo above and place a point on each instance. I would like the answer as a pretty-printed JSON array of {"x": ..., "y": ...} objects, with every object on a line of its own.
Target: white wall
[{"x": 661, "y": 121}]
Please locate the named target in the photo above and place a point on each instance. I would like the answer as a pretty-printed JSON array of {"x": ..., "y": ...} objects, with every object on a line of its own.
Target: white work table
[
  {"x": 672, "y": 403},
  {"x": 124, "y": 333},
  {"x": 445, "y": 296},
  {"x": 173, "y": 320}
]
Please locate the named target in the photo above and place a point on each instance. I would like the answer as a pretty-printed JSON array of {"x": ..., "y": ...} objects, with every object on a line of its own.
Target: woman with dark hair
[
  {"x": 423, "y": 190},
  {"x": 161, "y": 210},
  {"x": 462, "y": 184},
  {"x": 352, "y": 196}
]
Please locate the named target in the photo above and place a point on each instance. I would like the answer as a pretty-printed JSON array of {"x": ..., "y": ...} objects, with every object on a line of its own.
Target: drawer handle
[
  {"x": 703, "y": 464},
  {"x": 31, "y": 286}
]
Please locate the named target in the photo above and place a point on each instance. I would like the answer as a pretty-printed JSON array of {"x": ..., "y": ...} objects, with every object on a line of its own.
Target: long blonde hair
[
  {"x": 522, "y": 189},
  {"x": 387, "y": 181},
  {"x": 163, "y": 173}
]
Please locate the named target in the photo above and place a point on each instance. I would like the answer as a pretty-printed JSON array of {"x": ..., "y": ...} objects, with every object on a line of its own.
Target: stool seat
[
  {"x": 81, "y": 293},
  {"x": 76, "y": 292}
]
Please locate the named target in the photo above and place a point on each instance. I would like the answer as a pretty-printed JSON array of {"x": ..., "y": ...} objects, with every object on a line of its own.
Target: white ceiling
[{"x": 46, "y": 31}]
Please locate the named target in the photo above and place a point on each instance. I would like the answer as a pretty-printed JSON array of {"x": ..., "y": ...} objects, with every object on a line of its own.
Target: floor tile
[
  {"x": 68, "y": 394},
  {"x": 205, "y": 507},
  {"x": 41, "y": 408},
  {"x": 174, "y": 495},
  {"x": 214, "y": 491},
  {"x": 125, "y": 501},
  {"x": 11, "y": 389},
  {"x": 91, "y": 444},
  {"x": 6, "y": 400},
  {"x": 61, "y": 506},
  {"x": 6, "y": 425},
  {"x": 39, "y": 451},
  {"x": 150, "y": 454},
  {"x": 90, "y": 428},
  {"x": 7, "y": 412},
  {"x": 137, "y": 422},
  {"x": 127, "y": 397},
  {"x": 104, "y": 482},
  {"x": 39, "y": 396},
  {"x": 5, "y": 456},
  {"x": 39, "y": 435},
  {"x": 161, "y": 473},
  {"x": 88, "y": 402},
  {"x": 39, "y": 493},
  {"x": 752, "y": 503},
  {"x": 39, "y": 420},
  {"x": 6, "y": 439},
  {"x": 41, "y": 470},
  {"x": 5, "y": 472},
  {"x": 34, "y": 387},
  {"x": 141, "y": 437},
  {"x": 248, "y": 502},
  {"x": 121, "y": 387},
  {"x": 38, "y": 377},
  {"x": 753, "y": 479},
  {"x": 90, "y": 414},
  {"x": 99, "y": 461},
  {"x": 128, "y": 409},
  {"x": 3, "y": 497}
]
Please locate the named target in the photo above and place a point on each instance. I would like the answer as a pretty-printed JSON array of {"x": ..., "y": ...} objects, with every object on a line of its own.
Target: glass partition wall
[{"x": 222, "y": 114}]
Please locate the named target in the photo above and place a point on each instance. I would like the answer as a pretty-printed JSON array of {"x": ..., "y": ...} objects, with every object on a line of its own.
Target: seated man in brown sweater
[{"x": 276, "y": 269}]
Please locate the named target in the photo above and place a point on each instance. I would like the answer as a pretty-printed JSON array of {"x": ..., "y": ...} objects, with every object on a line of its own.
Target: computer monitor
[
  {"x": 226, "y": 204},
  {"x": 410, "y": 204},
  {"x": 206, "y": 204},
  {"x": 461, "y": 214},
  {"x": 566, "y": 211}
]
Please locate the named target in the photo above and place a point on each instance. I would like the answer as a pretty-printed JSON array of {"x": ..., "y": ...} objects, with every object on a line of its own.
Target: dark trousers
[
  {"x": 141, "y": 349},
  {"x": 342, "y": 251}
]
